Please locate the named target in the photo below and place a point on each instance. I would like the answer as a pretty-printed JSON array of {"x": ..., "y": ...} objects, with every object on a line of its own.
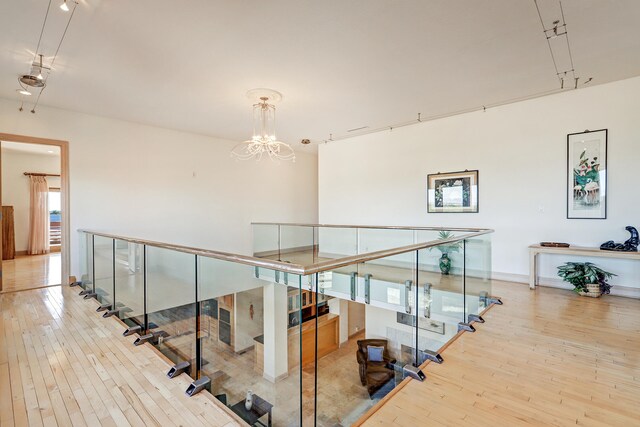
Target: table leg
[{"x": 533, "y": 269}]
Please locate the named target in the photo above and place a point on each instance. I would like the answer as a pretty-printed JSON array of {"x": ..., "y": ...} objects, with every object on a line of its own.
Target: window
[{"x": 55, "y": 234}]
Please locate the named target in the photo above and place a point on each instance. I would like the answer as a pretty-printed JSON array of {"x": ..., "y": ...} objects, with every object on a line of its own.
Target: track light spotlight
[{"x": 64, "y": 6}]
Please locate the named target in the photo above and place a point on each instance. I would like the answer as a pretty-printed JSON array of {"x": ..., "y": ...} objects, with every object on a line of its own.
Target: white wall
[
  {"x": 15, "y": 186},
  {"x": 520, "y": 151},
  {"x": 356, "y": 317},
  {"x": 246, "y": 328},
  {"x": 167, "y": 185}
]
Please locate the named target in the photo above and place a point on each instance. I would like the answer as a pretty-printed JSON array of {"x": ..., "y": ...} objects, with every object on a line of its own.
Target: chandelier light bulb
[
  {"x": 23, "y": 92},
  {"x": 64, "y": 6}
]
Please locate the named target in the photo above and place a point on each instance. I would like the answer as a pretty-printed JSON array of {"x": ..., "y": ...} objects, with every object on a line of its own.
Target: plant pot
[
  {"x": 593, "y": 291},
  {"x": 445, "y": 263}
]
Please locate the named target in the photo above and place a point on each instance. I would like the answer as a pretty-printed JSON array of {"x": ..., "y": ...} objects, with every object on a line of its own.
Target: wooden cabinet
[
  {"x": 8, "y": 233},
  {"x": 259, "y": 362},
  {"x": 226, "y": 321},
  {"x": 328, "y": 339},
  {"x": 301, "y": 305}
]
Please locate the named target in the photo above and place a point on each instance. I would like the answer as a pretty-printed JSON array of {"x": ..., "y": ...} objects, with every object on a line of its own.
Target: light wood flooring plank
[
  {"x": 546, "y": 357},
  {"x": 31, "y": 271},
  {"x": 62, "y": 364}
]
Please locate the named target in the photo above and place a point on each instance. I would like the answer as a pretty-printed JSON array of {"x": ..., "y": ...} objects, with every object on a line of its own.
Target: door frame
[{"x": 64, "y": 196}]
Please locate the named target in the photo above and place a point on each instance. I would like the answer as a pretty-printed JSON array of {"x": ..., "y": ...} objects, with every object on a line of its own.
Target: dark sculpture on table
[{"x": 630, "y": 245}]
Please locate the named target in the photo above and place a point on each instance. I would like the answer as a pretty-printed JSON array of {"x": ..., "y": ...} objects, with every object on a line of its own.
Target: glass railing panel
[
  {"x": 85, "y": 249},
  {"x": 363, "y": 345},
  {"x": 371, "y": 240},
  {"x": 297, "y": 244},
  {"x": 171, "y": 303},
  {"x": 423, "y": 236},
  {"x": 336, "y": 242},
  {"x": 440, "y": 296},
  {"x": 250, "y": 340},
  {"x": 478, "y": 273},
  {"x": 388, "y": 282},
  {"x": 266, "y": 274},
  {"x": 129, "y": 282},
  {"x": 103, "y": 269},
  {"x": 340, "y": 282},
  {"x": 377, "y": 239},
  {"x": 444, "y": 258},
  {"x": 266, "y": 240}
]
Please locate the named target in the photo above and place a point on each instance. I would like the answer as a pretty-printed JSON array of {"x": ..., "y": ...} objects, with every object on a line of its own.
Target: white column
[
  {"x": 341, "y": 308},
  {"x": 275, "y": 332}
]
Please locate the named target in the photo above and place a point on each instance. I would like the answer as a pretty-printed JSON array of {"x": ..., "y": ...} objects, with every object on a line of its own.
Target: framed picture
[
  {"x": 587, "y": 175},
  {"x": 453, "y": 192}
]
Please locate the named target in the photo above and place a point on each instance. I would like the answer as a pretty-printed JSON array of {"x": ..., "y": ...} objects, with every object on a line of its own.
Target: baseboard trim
[
  {"x": 618, "y": 290},
  {"x": 275, "y": 380},
  {"x": 52, "y": 251}
]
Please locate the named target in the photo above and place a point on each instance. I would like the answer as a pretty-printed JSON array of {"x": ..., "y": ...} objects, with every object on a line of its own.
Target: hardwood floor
[
  {"x": 31, "y": 271},
  {"x": 546, "y": 357},
  {"x": 62, "y": 364}
]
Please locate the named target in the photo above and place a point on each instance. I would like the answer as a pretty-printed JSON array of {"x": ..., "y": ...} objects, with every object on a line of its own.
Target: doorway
[{"x": 35, "y": 225}]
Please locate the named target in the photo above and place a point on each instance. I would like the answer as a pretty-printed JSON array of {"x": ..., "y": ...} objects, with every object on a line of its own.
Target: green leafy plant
[
  {"x": 446, "y": 248},
  {"x": 54, "y": 212},
  {"x": 580, "y": 274}
]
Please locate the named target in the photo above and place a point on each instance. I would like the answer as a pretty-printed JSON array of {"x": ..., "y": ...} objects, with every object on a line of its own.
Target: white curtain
[{"x": 38, "y": 216}]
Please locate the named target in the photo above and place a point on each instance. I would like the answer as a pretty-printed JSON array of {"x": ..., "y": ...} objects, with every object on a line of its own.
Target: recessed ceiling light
[{"x": 50, "y": 151}]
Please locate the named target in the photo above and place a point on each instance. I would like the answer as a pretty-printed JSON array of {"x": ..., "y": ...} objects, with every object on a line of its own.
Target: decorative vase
[
  {"x": 445, "y": 263},
  {"x": 248, "y": 401}
]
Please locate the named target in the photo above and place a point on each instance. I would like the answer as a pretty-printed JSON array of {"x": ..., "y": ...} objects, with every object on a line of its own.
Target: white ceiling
[{"x": 339, "y": 64}]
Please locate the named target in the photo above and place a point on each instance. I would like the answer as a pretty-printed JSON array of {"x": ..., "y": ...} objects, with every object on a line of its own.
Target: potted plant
[
  {"x": 587, "y": 279},
  {"x": 445, "y": 249}
]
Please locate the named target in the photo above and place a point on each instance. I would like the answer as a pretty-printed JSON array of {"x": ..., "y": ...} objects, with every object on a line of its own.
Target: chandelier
[{"x": 264, "y": 139}]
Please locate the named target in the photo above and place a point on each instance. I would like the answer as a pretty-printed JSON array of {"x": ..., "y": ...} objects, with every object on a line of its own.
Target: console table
[{"x": 535, "y": 250}]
